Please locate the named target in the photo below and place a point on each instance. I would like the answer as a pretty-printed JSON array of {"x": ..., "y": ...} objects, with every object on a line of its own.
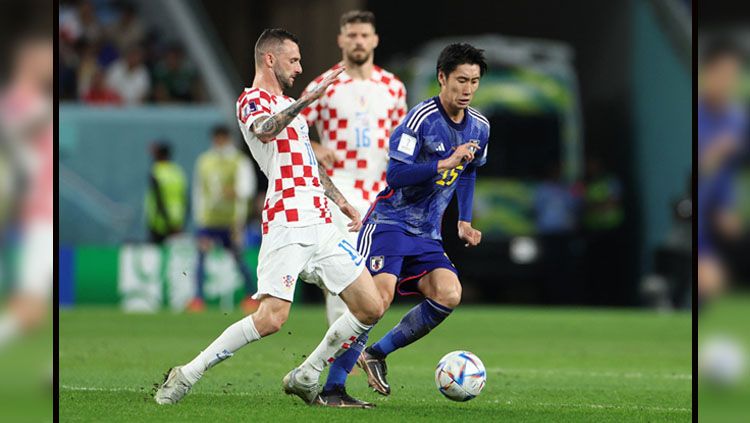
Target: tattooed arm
[
  {"x": 335, "y": 195},
  {"x": 266, "y": 128},
  {"x": 331, "y": 191}
]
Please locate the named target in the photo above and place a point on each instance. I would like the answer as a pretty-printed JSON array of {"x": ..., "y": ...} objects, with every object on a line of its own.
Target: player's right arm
[
  {"x": 266, "y": 128},
  {"x": 403, "y": 169},
  {"x": 324, "y": 155}
]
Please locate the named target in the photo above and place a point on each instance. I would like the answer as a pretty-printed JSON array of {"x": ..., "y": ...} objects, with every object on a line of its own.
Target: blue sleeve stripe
[{"x": 418, "y": 117}]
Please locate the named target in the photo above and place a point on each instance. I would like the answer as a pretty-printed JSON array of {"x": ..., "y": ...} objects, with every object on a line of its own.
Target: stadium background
[{"x": 618, "y": 94}]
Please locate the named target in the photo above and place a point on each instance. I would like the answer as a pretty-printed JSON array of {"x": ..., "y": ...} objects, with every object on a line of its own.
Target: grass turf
[{"x": 543, "y": 365}]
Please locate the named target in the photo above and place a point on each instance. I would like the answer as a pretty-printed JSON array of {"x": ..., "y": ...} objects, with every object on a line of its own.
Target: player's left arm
[
  {"x": 335, "y": 195},
  {"x": 465, "y": 197}
]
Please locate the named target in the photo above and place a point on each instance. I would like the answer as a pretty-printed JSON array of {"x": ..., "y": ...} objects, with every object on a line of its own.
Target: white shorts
[
  {"x": 36, "y": 252},
  {"x": 341, "y": 220},
  {"x": 318, "y": 254}
]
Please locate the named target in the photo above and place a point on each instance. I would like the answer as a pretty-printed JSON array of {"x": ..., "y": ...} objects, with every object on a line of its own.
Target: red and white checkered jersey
[
  {"x": 295, "y": 196},
  {"x": 355, "y": 118},
  {"x": 21, "y": 109}
]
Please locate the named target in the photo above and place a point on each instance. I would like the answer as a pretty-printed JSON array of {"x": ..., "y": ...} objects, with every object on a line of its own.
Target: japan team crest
[{"x": 376, "y": 263}]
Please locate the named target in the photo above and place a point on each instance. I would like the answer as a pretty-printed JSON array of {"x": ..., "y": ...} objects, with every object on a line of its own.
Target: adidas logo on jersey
[{"x": 440, "y": 147}]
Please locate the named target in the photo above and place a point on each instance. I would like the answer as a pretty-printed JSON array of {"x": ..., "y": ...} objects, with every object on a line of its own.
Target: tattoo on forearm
[
  {"x": 330, "y": 190},
  {"x": 268, "y": 128}
]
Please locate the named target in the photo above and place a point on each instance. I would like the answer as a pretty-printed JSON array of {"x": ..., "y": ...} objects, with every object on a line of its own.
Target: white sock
[
  {"x": 341, "y": 334},
  {"x": 233, "y": 338},
  {"x": 335, "y": 307},
  {"x": 9, "y": 328}
]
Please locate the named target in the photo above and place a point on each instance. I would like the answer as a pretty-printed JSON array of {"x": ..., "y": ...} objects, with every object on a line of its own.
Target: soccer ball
[
  {"x": 721, "y": 361},
  {"x": 460, "y": 376}
]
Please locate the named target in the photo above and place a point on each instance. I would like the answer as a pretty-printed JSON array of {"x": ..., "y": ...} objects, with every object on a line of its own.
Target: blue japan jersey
[{"x": 427, "y": 135}]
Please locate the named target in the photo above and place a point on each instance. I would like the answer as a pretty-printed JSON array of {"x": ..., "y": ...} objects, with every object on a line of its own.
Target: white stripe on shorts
[{"x": 367, "y": 240}]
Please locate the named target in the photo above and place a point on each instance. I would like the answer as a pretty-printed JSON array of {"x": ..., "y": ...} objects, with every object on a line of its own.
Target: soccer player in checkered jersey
[
  {"x": 297, "y": 230},
  {"x": 432, "y": 156},
  {"x": 354, "y": 119}
]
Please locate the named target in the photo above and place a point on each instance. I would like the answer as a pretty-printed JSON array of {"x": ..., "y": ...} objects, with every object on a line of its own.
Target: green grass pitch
[{"x": 543, "y": 365}]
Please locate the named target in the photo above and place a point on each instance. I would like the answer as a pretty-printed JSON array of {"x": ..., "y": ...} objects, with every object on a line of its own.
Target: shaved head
[{"x": 271, "y": 41}]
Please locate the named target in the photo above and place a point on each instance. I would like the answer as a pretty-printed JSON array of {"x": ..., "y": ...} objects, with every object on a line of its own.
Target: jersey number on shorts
[
  {"x": 356, "y": 258},
  {"x": 449, "y": 176}
]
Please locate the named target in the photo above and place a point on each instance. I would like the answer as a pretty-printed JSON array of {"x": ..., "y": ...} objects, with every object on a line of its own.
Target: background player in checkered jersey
[
  {"x": 297, "y": 230},
  {"x": 354, "y": 119},
  {"x": 432, "y": 156}
]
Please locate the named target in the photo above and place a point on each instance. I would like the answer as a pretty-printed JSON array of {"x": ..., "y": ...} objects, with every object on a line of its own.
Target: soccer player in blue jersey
[{"x": 433, "y": 153}]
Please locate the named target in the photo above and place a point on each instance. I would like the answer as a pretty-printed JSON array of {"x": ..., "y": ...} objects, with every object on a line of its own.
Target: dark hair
[
  {"x": 220, "y": 130},
  {"x": 272, "y": 38},
  {"x": 161, "y": 150},
  {"x": 720, "y": 47},
  {"x": 458, "y": 54},
  {"x": 357, "y": 16}
]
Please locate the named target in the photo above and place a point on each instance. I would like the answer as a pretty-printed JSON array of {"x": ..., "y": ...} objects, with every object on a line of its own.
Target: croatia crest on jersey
[{"x": 376, "y": 263}]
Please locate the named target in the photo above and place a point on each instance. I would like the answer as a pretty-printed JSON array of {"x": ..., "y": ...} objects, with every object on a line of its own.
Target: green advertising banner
[{"x": 147, "y": 278}]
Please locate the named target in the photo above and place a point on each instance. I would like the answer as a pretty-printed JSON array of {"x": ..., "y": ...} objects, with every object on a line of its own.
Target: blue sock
[
  {"x": 414, "y": 325},
  {"x": 344, "y": 363},
  {"x": 200, "y": 275}
]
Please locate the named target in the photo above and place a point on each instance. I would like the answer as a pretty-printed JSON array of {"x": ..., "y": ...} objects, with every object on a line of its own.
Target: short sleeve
[
  {"x": 253, "y": 104},
  {"x": 404, "y": 145}
]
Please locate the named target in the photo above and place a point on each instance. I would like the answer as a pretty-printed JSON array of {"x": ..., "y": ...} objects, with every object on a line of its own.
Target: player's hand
[
  {"x": 328, "y": 80},
  {"x": 324, "y": 155},
  {"x": 472, "y": 236},
  {"x": 356, "y": 224},
  {"x": 462, "y": 154}
]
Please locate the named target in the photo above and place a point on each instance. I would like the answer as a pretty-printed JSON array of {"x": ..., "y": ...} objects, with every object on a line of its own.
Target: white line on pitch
[
  {"x": 572, "y": 372},
  {"x": 540, "y": 404}
]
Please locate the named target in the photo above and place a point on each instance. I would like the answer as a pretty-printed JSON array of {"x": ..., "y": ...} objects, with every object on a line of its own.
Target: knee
[
  {"x": 449, "y": 296},
  {"x": 269, "y": 324},
  {"x": 371, "y": 312}
]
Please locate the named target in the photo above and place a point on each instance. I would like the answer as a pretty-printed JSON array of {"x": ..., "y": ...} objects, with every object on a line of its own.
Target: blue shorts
[
  {"x": 390, "y": 249},
  {"x": 222, "y": 236}
]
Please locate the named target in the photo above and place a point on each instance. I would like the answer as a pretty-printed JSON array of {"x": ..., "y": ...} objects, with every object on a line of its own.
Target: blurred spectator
[
  {"x": 99, "y": 93},
  {"x": 166, "y": 198},
  {"x": 81, "y": 22},
  {"x": 129, "y": 77},
  {"x": 555, "y": 206},
  {"x": 88, "y": 65},
  {"x": 128, "y": 31},
  {"x": 603, "y": 210},
  {"x": 174, "y": 79},
  {"x": 721, "y": 135},
  {"x": 223, "y": 186}
]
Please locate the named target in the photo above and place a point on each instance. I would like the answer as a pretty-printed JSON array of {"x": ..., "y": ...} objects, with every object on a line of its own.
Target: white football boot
[
  {"x": 292, "y": 386},
  {"x": 175, "y": 387}
]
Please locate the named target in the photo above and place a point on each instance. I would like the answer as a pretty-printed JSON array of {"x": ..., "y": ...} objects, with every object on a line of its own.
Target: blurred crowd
[{"x": 109, "y": 55}]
